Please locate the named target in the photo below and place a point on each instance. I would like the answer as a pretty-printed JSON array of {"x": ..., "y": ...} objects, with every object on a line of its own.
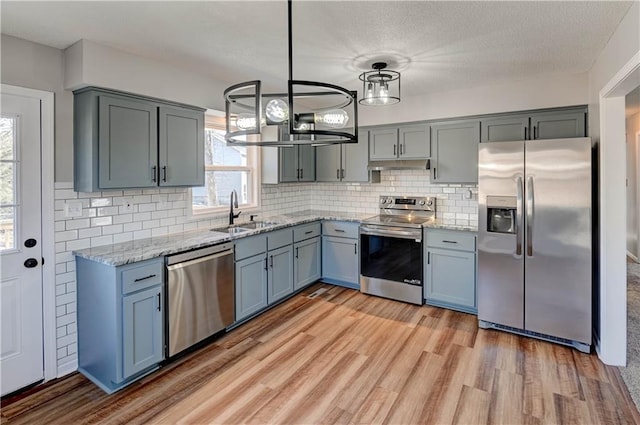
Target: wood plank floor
[{"x": 344, "y": 357}]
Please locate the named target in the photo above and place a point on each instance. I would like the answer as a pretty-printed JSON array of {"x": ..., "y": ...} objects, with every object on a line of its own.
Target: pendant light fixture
[
  {"x": 380, "y": 86},
  {"x": 309, "y": 113}
]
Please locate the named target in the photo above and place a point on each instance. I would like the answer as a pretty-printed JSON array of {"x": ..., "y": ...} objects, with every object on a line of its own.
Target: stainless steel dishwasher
[{"x": 200, "y": 295}]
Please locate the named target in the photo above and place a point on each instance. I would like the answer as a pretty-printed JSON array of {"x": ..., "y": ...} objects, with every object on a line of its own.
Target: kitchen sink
[{"x": 244, "y": 227}]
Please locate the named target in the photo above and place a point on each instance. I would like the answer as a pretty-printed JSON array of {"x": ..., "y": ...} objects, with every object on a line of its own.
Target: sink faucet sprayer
[{"x": 233, "y": 202}]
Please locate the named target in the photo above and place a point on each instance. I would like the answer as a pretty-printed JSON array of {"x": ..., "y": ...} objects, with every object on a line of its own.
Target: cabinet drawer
[
  {"x": 451, "y": 239},
  {"x": 248, "y": 247},
  {"x": 279, "y": 238},
  {"x": 342, "y": 229},
  {"x": 306, "y": 231},
  {"x": 142, "y": 275}
]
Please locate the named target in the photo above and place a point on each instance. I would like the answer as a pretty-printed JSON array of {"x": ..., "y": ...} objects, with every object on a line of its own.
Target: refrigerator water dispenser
[{"x": 501, "y": 214}]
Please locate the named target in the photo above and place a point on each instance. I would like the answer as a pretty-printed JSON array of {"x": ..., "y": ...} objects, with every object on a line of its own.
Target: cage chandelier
[{"x": 309, "y": 113}]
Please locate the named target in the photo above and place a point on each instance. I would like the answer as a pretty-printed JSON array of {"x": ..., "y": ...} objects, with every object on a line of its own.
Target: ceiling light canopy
[
  {"x": 309, "y": 112},
  {"x": 380, "y": 86}
]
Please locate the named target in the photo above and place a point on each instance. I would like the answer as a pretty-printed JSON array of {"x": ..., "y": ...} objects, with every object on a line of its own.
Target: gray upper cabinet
[
  {"x": 556, "y": 124},
  {"x": 288, "y": 164},
  {"x": 404, "y": 142},
  {"x": 124, "y": 141},
  {"x": 181, "y": 136},
  {"x": 505, "y": 129},
  {"x": 346, "y": 162},
  {"x": 128, "y": 143},
  {"x": 454, "y": 151}
]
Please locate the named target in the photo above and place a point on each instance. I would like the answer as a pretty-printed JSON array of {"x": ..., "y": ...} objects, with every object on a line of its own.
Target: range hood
[{"x": 400, "y": 164}]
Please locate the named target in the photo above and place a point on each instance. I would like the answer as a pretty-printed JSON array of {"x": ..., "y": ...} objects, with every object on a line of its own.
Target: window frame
[{"x": 213, "y": 120}]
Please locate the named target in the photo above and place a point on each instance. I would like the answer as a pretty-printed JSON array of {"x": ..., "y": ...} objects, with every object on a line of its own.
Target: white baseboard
[{"x": 67, "y": 368}]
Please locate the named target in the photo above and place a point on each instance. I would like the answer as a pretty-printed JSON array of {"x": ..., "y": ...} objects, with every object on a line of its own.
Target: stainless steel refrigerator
[{"x": 534, "y": 239}]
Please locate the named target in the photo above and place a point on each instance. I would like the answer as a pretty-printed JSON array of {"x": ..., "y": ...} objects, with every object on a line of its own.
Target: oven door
[{"x": 391, "y": 262}]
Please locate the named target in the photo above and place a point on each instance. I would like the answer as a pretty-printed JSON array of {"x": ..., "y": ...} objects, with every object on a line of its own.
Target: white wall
[
  {"x": 35, "y": 66},
  {"x": 607, "y": 129},
  {"x": 633, "y": 184}
]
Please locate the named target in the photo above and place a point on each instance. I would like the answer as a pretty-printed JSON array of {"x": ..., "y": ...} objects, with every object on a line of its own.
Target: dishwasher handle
[{"x": 199, "y": 260}]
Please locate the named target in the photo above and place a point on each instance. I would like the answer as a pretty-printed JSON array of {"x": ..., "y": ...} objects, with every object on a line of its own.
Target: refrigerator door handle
[
  {"x": 530, "y": 207},
  {"x": 519, "y": 216}
]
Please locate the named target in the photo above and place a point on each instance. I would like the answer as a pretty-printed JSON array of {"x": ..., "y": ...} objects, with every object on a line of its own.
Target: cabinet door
[
  {"x": 306, "y": 264},
  {"x": 355, "y": 159},
  {"x": 414, "y": 142},
  {"x": 251, "y": 286},
  {"x": 383, "y": 143},
  {"x": 142, "y": 330},
  {"x": 328, "y": 163},
  {"x": 340, "y": 259},
  {"x": 451, "y": 277},
  {"x": 455, "y": 152},
  {"x": 127, "y": 143},
  {"x": 307, "y": 163},
  {"x": 504, "y": 129},
  {"x": 280, "y": 274},
  {"x": 288, "y": 161},
  {"x": 181, "y": 144},
  {"x": 558, "y": 125}
]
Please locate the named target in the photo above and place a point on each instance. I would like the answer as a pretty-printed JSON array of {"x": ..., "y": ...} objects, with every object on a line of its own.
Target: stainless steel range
[{"x": 391, "y": 248}]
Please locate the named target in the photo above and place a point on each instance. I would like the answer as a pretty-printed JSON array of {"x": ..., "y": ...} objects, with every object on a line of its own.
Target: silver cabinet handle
[
  {"x": 308, "y": 232},
  {"x": 518, "y": 216},
  {"x": 394, "y": 149},
  {"x": 266, "y": 263},
  {"x": 428, "y": 257},
  {"x": 445, "y": 241},
  {"x": 271, "y": 261},
  {"x": 401, "y": 148},
  {"x": 530, "y": 212},
  {"x": 153, "y": 173},
  {"x": 355, "y": 248},
  {"x": 435, "y": 173},
  {"x": 342, "y": 173},
  {"x": 297, "y": 252},
  {"x": 164, "y": 173},
  {"x": 144, "y": 278},
  {"x": 339, "y": 231},
  {"x": 338, "y": 173},
  {"x": 159, "y": 302},
  {"x": 302, "y": 173}
]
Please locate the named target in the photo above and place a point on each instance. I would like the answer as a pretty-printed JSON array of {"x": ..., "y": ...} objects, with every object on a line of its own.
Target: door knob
[
  {"x": 30, "y": 243},
  {"x": 30, "y": 263}
]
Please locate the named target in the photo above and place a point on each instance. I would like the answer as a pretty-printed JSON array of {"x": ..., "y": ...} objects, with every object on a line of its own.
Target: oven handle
[{"x": 394, "y": 233}]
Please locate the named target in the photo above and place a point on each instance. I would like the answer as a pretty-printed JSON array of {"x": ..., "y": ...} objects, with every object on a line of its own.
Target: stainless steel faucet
[{"x": 233, "y": 202}]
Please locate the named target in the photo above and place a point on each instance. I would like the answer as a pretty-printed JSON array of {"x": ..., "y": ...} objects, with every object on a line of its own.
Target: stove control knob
[
  {"x": 389, "y": 200},
  {"x": 421, "y": 202},
  {"x": 382, "y": 200},
  {"x": 430, "y": 202}
]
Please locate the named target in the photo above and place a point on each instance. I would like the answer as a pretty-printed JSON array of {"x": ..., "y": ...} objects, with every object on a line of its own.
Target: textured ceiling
[{"x": 436, "y": 45}]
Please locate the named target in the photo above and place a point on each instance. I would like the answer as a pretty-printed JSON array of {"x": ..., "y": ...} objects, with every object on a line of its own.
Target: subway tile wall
[{"x": 154, "y": 212}]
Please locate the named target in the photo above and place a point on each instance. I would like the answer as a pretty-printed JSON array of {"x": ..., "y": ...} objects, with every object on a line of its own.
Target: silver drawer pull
[
  {"x": 339, "y": 230},
  {"x": 145, "y": 278},
  {"x": 308, "y": 232},
  {"x": 449, "y": 241}
]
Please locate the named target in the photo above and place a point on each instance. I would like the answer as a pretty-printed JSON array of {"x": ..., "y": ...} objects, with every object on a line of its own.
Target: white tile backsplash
[{"x": 155, "y": 212}]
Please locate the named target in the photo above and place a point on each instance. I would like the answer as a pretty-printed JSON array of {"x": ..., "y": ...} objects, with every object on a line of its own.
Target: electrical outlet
[
  {"x": 468, "y": 194},
  {"x": 73, "y": 209},
  {"x": 127, "y": 206}
]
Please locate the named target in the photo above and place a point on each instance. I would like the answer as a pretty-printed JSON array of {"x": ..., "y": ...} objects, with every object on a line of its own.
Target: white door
[{"x": 21, "y": 357}]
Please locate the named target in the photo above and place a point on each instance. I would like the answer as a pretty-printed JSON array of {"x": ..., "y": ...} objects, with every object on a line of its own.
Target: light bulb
[
  {"x": 277, "y": 111},
  {"x": 369, "y": 95},
  {"x": 384, "y": 92},
  {"x": 247, "y": 121},
  {"x": 335, "y": 118}
]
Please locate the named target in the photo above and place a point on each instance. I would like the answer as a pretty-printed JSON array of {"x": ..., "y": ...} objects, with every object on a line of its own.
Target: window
[
  {"x": 227, "y": 168},
  {"x": 8, "y": 183}
]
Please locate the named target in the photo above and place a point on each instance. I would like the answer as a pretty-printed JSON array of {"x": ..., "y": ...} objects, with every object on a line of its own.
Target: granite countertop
[{"x": 144, "y": 249}]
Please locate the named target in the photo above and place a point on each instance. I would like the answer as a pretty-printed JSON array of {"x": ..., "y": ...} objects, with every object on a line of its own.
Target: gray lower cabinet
[
  {"x": 450, "y": 269},
  {"x": 454, "y": 151},
  {"x": 120, "y": 321},
  {"x": 288, "y": 164},
  {"x": 307, "y": 259},
  {"x": 340, "y": 253},
  {"x": 264, "y": 271},
  {"x": 251, "y": 285},
  {"x": 556, "y": 124},
  {"x": 124, "y": 141}
]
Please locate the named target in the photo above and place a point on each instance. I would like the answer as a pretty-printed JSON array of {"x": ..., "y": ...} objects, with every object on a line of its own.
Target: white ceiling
[{"x": 436, "y": 45}]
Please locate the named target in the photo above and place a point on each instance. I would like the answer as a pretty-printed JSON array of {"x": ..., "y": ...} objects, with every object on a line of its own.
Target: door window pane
[
  {"x": 217, "y": 152},
  {"x": 7, "y": 138},
  {"x": 7, "y": 186},
  {"x": 218, "y": 187},
  {"x": 7, "y": 226}
]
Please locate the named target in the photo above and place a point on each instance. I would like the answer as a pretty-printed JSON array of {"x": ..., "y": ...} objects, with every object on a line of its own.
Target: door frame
[
  {"x": 637, "y": 253},
  {"x": 612, "y": 344},
  {"x": 47, "y": 139}
]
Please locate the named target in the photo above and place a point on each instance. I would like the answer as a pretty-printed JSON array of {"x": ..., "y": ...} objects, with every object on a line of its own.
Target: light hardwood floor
[{"x": 344, "y": 357}]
